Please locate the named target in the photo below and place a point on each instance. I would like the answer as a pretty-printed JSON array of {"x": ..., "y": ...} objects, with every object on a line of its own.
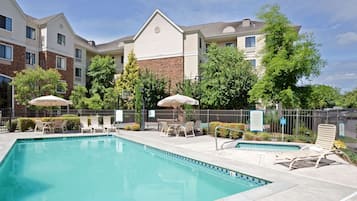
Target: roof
[{"x": 113, "y": 44}]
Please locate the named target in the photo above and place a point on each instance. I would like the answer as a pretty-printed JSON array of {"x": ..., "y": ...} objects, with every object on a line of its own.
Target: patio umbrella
[
  {"x": 49, "y": 101},
  {"x": 176, "y": 101}
]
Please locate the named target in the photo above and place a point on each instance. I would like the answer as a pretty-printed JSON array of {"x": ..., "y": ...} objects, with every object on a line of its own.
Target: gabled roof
[
  {"x": 44, "y": 21},
  {"x": 18, "y": 8},
  {"x": 156, "y": 12},
  {"x": 113, "y": 44}
]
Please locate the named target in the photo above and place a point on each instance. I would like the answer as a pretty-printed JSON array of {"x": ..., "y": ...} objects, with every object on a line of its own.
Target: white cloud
[{"x": 346, "y": 38}]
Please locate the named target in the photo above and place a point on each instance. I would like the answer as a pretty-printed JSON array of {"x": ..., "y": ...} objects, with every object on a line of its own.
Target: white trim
[
  {"x": 12, "y": 52},
  {"x": 160, "y": 56},
  {"x": 193, "y": 53},
  {"x": 157, "y": 11}
]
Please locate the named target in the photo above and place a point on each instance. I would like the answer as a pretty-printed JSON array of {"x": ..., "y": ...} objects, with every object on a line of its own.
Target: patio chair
[
  {"x": 323, "y": 146},
  {"x": 84, "y": 124},
  {"x": 41, "y": 126},
  {"x": 165, "y": 128},
  {"x": 59, "y": 124},
  {"x": 94, "y": 124},
  {"x": 107, "y": 124},
  {"x": 197, "y": 126},
  {"x": 188, "y": 129}
]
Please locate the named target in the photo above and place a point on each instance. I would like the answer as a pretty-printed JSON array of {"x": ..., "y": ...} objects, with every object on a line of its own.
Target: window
[
  {"x": 5, "y": 23},
  {"x": 30, "y": 33},
  {"x": 61, "y": 63},
  {"x": 253, "y": 62},
  {"x": 122, "y": 59},
  {"x": 5, "y": 52},
  {"x": 250, "y": 41},
  {"x": 60, "y": 89},
  {"x": 30, "y": 58},
  {"x": 200, "y": 42},
  {"x": 78, "y": 54},
  {"x": 61, "y": 39},
  {"x": 78, "y": 72},
  {"x": 230, "y": 44}
]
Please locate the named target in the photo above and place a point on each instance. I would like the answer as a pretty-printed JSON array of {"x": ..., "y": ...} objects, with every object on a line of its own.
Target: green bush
[
  {"x": 133, "y": 127},
  {"x": 224, "y": 132},
  {"x": 351, "y": 155},
  {"x": 262, "y": 136},
  {"x": 73, "y": 122},
  {"x": 25, "y": 124},
  {"x": 11, "y": 127}
]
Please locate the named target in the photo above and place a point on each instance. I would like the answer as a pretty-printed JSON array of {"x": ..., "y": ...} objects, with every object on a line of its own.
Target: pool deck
[{"x": 333, "y": 180}]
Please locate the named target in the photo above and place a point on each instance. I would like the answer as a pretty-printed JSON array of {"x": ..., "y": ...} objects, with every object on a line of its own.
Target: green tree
[
  {"x": 154, "y": 89},
  {"x": 94, "y": 102},
  {"x": 226, "y": 79},
  {"x": 78, "y": 97},
  {"x": 110, "y": 98},
  {"x": 323, "y": 96},
  {"x": 138, "y": 102},
  {"x": 101, "y": 74},
  {"x": 288, "y": 57},
  {"x": 189, "y": 88},
  {"x": 32, "y": 83},
  {"x": 128, "y": 80},
  {"x": 350, "y": 99}
]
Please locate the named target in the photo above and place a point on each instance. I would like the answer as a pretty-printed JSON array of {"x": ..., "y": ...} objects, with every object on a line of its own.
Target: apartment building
[{"x": 165, "y": 48}]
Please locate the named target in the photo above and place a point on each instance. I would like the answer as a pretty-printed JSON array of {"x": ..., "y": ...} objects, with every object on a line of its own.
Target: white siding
[
  {"x": 191, "y": 55},
  {"x": 17, "y": 35}
]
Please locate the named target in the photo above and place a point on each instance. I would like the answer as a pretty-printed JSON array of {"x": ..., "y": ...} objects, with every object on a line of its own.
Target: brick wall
[
  {"x": 48, "y": 60},
  {"x": 18, "y": 62},
  {"x": 169, "y": 68}
]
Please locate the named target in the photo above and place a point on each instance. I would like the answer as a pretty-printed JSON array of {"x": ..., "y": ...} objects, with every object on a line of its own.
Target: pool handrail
[{"x": 227, "y": 128}]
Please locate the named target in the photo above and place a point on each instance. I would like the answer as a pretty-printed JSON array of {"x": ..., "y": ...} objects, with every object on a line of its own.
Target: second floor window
[
  {"x": 250, "y": 41},
  {"x": 5, "y": 23},
  {"x": 5, "y": 52},
  {"x": 30, "y": 33},
  {"x": 61, "y": 39},
  {"x": 78, "y": 54},
  {"x": 61, "y": 63},
  {"x": 78, "y": 72},
  {"x": 30, "y": 58}
]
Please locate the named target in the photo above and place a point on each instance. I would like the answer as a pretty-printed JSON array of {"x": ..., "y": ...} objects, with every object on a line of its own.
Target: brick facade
[
  {"x": 48, "y": 60},
  {"x": 18, "y": 62},
  {"x": 171, "y": 68}
]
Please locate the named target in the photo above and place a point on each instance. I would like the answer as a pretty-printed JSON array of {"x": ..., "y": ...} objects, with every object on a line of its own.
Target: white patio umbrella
[
  {"x": 49, "y": 101},
  {"x": 177, "y": 100}
]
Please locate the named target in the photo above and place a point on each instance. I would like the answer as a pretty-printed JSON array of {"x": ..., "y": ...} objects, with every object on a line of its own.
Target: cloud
[{"x": 346, "y": 38}]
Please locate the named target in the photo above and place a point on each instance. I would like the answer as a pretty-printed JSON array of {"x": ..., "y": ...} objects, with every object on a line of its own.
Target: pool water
[
  {"x": 107, "y": 169},
  {"x": 267, "y": 147}
]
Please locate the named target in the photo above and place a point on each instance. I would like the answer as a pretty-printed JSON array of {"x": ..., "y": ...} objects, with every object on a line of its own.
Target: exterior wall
[
  {"x": 223, "y": 43},
  {"x": 33, "y": 46},
  {"x": 80, "y": 63},
  {"x": 118, "y": 65},
  {"x": 59, "y": 25},
  {"x": 18, "y": 62},
  {"x": 128, "y": 47},
  {"x": 168, "y": 68},
  {"x": 159, "y": 39},
  {"x": 191, "y": 55},
  {"x": 17, "y": 35},
  {"x": 48, "y": 60}
]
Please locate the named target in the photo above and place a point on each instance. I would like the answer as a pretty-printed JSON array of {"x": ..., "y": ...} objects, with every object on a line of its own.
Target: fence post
[
  {"x": 297, "y": 122},
  {"x": 207, "y": 115}
]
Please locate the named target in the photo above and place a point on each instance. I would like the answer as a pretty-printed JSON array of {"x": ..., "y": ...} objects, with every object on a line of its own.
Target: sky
[{"x": 332, "y": 23}]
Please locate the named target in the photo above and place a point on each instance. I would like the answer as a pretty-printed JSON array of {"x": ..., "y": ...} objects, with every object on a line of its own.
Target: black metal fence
[{"x": 297, "y": 120}]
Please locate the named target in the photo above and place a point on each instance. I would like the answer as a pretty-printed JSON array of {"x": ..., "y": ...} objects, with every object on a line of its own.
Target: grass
[{"x": 348, "y": 139}]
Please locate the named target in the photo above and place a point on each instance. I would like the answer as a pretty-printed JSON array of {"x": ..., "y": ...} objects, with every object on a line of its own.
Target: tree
[
  {"x": 127, "y": 81},
  {"x": 350, "y": 99},
  {"x": 189, "y": 88},
  {"x": 322, "y": 96},
  {"x": 288, "y": 57},
  {"x": 78, "y": 97},
  {"x": 138, "y": 102},
  {"x": 226, "y": 78},
  {"x": 110, "y": 98},
  {"x": 32, "y": 83},
  {"x": 94, "y": 102},
  {"x": 154, "y": 89},
  {"x": 101, "y": 74}
]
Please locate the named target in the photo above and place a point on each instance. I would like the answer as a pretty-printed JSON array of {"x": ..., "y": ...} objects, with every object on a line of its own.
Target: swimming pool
[
  {"x": 111, "y": 169},
  {"x": 266, "y": 146}
]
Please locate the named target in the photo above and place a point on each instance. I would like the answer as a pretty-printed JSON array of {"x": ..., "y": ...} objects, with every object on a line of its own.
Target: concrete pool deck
[{"x": 334, "y": 180}]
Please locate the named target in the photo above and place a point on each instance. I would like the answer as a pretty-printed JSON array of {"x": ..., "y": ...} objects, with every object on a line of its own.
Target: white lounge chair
[
  {"x": 188, "y": 129},
  {"x": 84, "y": 124},
  {"x": 323, "y": 146},
  {"x": 107, "y": 124},
  {"x": 41, "y": 126},
  {"x": 94, "y": 124}
]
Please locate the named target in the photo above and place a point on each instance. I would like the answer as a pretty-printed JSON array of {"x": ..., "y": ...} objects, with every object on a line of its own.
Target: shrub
[
  {"x": 224, "y": 132},
  {"x": 73, "y": 122},
  {"x": 352, "y": 156},
  {"x": 11, "y": 127},
  {"x": 133, "y": 127},
  {"x": 263, "y": 136},
  {"x": 339, "y": 144},
  {"x": 25, "y": 124}
]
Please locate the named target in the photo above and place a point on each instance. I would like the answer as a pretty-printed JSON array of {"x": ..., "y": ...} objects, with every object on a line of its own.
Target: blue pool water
[
  {"x": 267, "y": 147},
  {"x": 110, "y": 169}
]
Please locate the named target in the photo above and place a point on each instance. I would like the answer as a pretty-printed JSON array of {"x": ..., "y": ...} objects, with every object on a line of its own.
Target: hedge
[
  {"x": 73, "y": 122},
  {"x": 224, "y": 132}
]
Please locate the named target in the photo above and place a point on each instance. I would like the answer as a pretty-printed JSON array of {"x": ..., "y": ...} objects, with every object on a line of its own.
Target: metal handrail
[{"x": 227, "y": 128}]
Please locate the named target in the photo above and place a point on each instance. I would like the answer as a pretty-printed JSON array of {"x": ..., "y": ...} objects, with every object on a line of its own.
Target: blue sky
[{"x": 332, "y": 22}]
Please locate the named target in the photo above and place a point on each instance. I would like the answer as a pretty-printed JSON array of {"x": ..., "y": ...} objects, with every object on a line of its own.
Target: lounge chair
[
  {"x": 197, "y": 126},
  {"x": 84, "y": 124},
  {"x": 323, "y": 146},
  {"x": 41, "y": 126},
  {"x": 94, "y": 124},
  {"x": 107, "y": 124},
  {"x": 188, "y": 129},
  {"x": 59, "y": 125}
]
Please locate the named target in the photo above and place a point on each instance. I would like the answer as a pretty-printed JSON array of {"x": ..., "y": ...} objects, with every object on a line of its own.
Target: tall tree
[
  {"x": 154, "y": 89},
  {"x": 101, "y": 74},
  {"x": 323, "y": 96},
  {"x": 32, "y": 83},
  {"x": 226, "y": 78},
  {"x": 350, "y": 99},
  {"x": 288, "y": 57},
  {"x": 78, "y": 97},
  {"x": 127, "y": 81}
]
